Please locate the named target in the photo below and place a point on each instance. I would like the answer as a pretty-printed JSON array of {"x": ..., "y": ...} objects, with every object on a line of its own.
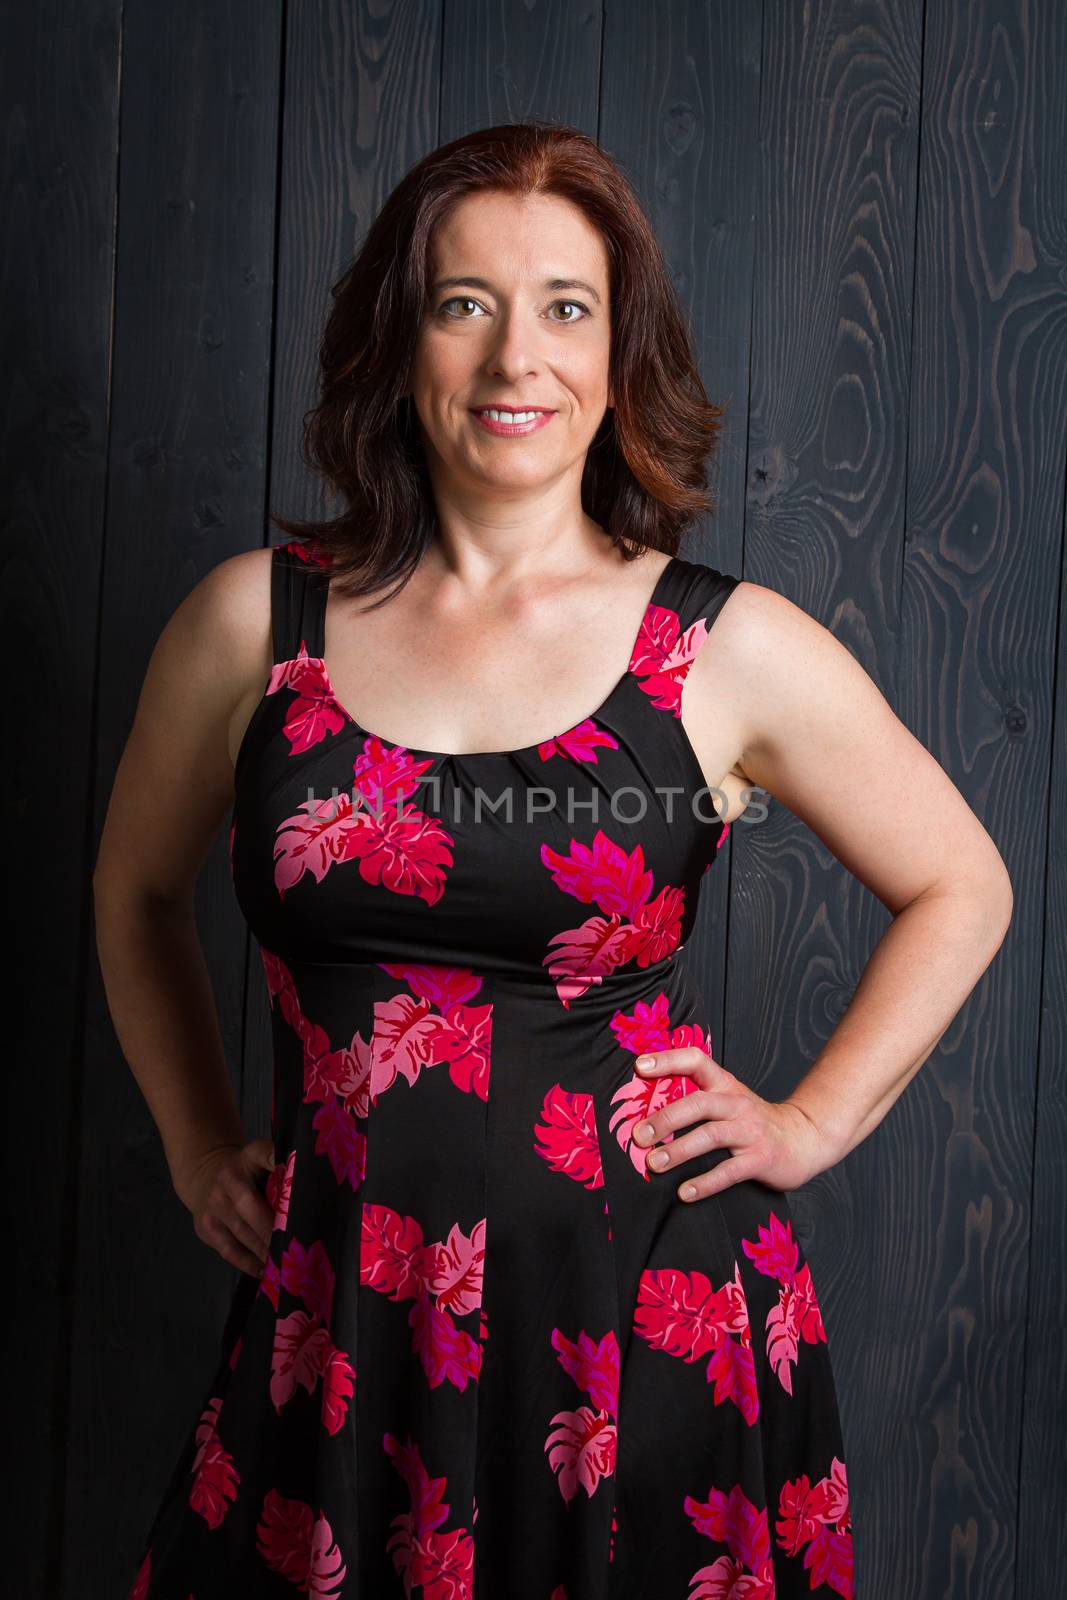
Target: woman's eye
[
  {"x": 466, "y": 300},
  {"x": 577, "y": 303},
  {"x": 458, "y": 300}
]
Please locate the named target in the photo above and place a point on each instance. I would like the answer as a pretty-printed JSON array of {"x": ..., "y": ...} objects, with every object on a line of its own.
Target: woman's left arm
[{"x": 819, "y": 736}]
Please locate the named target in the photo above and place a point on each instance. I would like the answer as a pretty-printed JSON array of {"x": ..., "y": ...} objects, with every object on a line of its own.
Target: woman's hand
[
  {"x": 230, "y": 1211},
  {"x": 774, "y": 1142}
]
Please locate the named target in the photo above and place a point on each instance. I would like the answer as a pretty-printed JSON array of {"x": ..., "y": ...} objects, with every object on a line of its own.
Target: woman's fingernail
[{"x": 645, "y": 1061}]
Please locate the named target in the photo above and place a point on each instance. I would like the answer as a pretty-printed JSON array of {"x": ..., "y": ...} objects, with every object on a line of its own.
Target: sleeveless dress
[{"x": 493, "y": 1355}]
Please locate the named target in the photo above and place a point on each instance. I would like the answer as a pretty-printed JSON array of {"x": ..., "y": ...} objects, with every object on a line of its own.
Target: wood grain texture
[
  {"x": 974, "y": 680},
  {"x": 863, "y": 204},
  {"x": 186, "y": 474},
  {"x": 60, "y": 100},
  {"x": 824, "y": 517}
]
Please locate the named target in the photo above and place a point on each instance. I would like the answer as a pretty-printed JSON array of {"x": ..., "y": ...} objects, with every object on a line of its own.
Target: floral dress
[{"x": 492, "y": 1355}]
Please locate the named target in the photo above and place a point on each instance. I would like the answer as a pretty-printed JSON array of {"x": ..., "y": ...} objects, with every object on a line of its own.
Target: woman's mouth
[{"x": 511, "y": 423}]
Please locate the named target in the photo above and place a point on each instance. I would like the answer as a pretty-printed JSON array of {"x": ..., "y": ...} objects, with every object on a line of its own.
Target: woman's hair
[{"x": 645, "y": 477}]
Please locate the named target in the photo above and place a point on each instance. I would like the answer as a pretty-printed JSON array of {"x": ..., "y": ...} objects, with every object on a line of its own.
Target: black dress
[{"x": 492, "y": 1355}]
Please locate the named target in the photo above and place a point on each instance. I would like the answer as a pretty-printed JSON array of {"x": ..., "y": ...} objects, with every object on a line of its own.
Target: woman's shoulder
[
  {"x": 230, "y": 608},
  {"x": 757, "y": 609}
]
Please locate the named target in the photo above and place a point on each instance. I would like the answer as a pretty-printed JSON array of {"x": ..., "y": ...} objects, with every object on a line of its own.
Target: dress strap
[
  {"x": 298, "y": 588},
  {"x": 701, "y": 593}
]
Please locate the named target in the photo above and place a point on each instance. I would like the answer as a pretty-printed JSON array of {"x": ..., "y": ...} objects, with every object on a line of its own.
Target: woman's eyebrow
[{"x": 482, "y": 283}]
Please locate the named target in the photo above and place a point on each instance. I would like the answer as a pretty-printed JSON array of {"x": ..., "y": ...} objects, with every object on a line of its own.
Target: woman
[{"x": 524, "y": 1315}]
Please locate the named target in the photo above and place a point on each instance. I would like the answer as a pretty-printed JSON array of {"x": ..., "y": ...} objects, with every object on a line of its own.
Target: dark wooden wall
[{"x": 865, "y": 208}]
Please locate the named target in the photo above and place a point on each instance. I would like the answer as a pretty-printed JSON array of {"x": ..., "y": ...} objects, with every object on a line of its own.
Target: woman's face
[{"x": 512, "y": 326}]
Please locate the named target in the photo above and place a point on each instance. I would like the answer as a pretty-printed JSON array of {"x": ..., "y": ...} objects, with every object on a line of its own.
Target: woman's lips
[{"x": 511, "y": 429}]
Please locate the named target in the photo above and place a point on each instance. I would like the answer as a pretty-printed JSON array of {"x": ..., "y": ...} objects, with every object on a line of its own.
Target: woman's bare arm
[
  {"x": 172, "y": 791},
  {"x": 814, "y": 730}
]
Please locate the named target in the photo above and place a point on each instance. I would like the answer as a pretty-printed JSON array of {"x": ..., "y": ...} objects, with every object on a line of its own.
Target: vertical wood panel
[
  {"x": 60, "y": 97},
  {"x": 824, "y": 525},
  {"x": 978, "y": 632},
  {"x": 186, "y": 477},
  {"x": 975, "y": 680}
]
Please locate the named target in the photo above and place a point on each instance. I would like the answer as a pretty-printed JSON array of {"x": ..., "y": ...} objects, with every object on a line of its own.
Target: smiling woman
[
  {"x": 483, "y": 1344},
  {"x": 508, "y": 1329},
  {"x": 513, "y": 268}
]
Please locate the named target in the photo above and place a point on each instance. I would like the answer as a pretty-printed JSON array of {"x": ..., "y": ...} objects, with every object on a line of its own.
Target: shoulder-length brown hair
[{"x": 645, "y": 478}]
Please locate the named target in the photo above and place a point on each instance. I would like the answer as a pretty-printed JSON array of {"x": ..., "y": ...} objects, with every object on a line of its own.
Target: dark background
[{"x": 865, "y": 209}]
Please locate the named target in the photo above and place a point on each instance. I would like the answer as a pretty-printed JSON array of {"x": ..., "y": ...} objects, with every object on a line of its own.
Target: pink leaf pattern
[
  {"x": 215, "y": 1478},
  {"x": 581, "y": 1450},
  {"x": 684, "y": 1315},
  {"x": 796, "y": 1317},
  {"x": 567, "y": 1138},
  {"x": 633, "y": 927},
  {"x": 300, "y": 1546},
  {"x": 423, "y": 1551},
  {"x": 443, "y": 1279}
]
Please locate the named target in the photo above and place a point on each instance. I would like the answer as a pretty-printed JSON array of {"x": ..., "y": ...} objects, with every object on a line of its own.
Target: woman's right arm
[{"x": 172, "y": 792}]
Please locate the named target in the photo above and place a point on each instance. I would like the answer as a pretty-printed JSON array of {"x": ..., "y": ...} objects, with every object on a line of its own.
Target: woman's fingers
[
  {"x": 735, "y": 1169},
  {"x": 240, "y": 1214},
  {"x": 680, "y": 1147},
  {"x": 215, "y": 1232},
  {"x": 253, "y": 1213}
]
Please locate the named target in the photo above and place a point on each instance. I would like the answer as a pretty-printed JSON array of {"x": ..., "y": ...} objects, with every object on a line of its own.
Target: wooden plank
[
  {"x": 60, "y": 94},
  {"x": 980, "y": 577},
  {"x": 186, "y": 487}
]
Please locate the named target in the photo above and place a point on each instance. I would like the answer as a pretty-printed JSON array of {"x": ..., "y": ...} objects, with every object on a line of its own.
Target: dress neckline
[{"x": 518, "y": 750}]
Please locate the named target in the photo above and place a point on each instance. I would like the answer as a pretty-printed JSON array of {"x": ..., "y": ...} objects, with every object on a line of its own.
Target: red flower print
[
  {"x": 731, "y": 1519},
  {"x": 313, "y": 715},
  {"x": 278, "y": 1189},
  {"x": 593, "y": 1365},
  {"x": 453, "y": 1271},
  {"x": 309, "y": 550},
  {"x": 443, "y": 1280},
  {"x": 664, "y": 654},
  {"x": 424, "y": 1554},
  {"x": 568, "y": 1137},
  {"x": 270, "y": 1281},
  {"x": 395, "y": 847},
  {"x": 602, "y": 874},
  {"x": 682, "y": 1314},
  {"x": 579, "y": 743},
  {"x": 342, "y": 1143},
  {"x": 300, "y": 1546},
  {"x": 633, "y": 928},
  {"x": 819, "y": 1517},
  {"x": 582, "y": 1450},
  {"x": 390, "y": 1257},
  {"x": 587, "y": 954},
  {"x": 448, "y": 1354},
  {"x": 338, "y": 1382},
  {"x": 443, "y": 987},
  {"x": 215, "y": 1478},
  {"x": 301, "y": 1352},
  {"x": 407, "y": 1036},
  {"x": 308, "y": 1275},
  {"x": 796, "y": 1318}
]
